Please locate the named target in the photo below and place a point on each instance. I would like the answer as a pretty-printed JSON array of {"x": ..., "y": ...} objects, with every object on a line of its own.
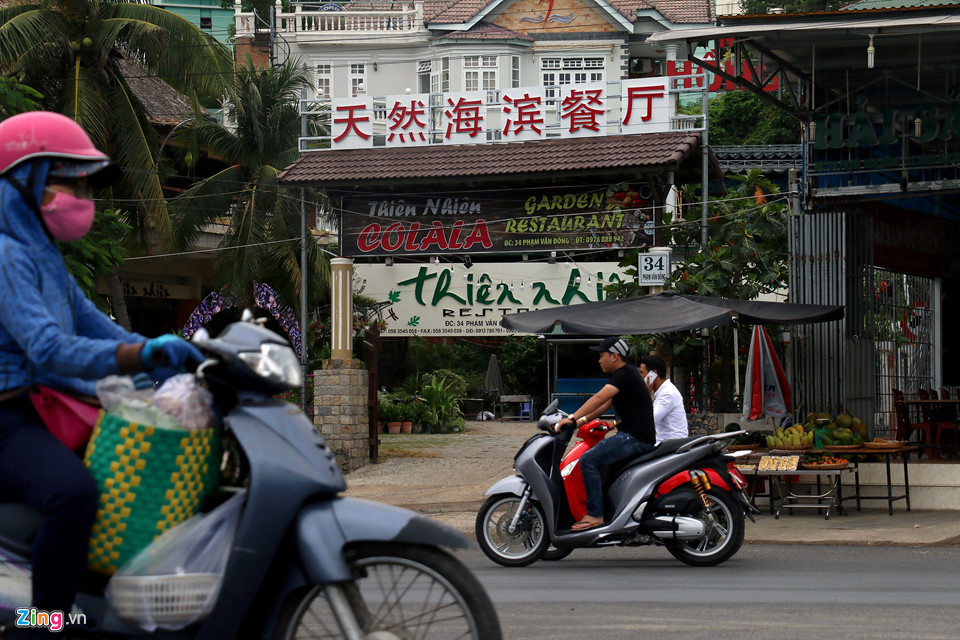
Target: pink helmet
[{"x": 44, "y": 134}]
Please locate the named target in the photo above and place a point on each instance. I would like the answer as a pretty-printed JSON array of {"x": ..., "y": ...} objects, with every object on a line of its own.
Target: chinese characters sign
[
  {"x": 519, "y": 114},
  {"x": 545, "y": 219},
  {"x": 451, "y": 300}
]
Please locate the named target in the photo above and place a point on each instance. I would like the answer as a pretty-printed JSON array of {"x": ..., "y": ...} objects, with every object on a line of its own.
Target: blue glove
[
  {"x": 170, "y": 352},
  {"x": 142, "y": 381}
]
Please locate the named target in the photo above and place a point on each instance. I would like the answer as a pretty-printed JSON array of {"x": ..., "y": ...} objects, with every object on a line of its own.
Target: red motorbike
[{"x": 685, "y": 495}]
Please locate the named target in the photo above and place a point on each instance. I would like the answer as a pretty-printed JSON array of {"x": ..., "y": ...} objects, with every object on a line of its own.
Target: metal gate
[{"x": 906, "y": 358}]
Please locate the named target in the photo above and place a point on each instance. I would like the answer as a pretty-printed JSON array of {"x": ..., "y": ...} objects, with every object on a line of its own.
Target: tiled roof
[
  {"x": 676, "y": 11},
  {"x": 452, "y": 11},
  {"x": 484, "y": 31},
  {"x": 165, "y": 106},
  {"x": 684, "y": 11},
  {"x": 873, "y": 5},
  {"x": 553, "y": 156}
]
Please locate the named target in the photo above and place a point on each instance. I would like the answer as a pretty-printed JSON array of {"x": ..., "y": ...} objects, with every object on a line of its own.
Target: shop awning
[{"x": 664, "y": 312}]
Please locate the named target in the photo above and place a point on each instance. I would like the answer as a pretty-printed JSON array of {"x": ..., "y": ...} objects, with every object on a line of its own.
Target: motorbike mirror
[{"x": 547, "y": 421}]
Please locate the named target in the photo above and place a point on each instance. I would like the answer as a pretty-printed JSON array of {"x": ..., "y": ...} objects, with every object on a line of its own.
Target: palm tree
[
  {"x": 71, "y": 51},
  {"x": 262, "y": 240}
]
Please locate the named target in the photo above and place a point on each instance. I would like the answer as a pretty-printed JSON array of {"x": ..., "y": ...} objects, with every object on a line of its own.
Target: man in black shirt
[{"x": 636, "y": 433}]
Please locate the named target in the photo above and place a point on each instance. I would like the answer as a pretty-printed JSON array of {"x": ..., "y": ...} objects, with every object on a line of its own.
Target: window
[
  {"x": 445, "y": 75},
  {"x": 515, "y": 71},
  {"x": 206, "y": 23},
  {"x": 480, "y": 74},
  {"x": 358, "y": 78},
  {"x": 561, "y": 71},
  {"x": 324, "y": 74},
  {"x": 424, "y": 81}
]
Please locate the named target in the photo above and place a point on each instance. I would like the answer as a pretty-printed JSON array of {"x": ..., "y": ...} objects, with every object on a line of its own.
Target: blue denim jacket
[{"x": 50, "y": 333}]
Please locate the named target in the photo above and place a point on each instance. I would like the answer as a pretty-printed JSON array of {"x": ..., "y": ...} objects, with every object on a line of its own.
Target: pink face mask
[{"x": 68, "y": 218}]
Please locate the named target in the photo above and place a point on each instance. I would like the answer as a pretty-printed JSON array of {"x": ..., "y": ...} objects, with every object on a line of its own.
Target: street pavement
[{"x": 445, "y": 475}]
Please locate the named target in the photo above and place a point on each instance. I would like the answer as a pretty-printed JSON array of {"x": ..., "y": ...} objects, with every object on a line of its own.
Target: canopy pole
[{"x": 736, "y": 355}]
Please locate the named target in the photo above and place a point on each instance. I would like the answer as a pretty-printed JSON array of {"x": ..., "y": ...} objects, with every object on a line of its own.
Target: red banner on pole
[{"x": 766, "y": 389}]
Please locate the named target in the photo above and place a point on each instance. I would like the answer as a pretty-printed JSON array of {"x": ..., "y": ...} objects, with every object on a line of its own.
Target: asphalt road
[{"x": 766, "y": 591}]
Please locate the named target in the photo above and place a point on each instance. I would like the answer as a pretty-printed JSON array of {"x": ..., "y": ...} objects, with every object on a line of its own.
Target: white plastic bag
[
  {"x": 181, "y": 397},
  {"x": 175, "y": 581},
  {"x": 113, "y": 390}
]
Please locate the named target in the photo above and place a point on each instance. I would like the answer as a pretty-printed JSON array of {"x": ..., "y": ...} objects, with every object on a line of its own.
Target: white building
[{"x": 435, "y": 46}]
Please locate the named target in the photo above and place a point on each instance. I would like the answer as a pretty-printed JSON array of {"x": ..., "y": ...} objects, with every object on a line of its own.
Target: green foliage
[
  {"x": 97, "y": 254},
  {"x": 521, "y": 364},
  {"x": 17, "y": 98},
  {"x": 442, "y": 405},
  {"x": 76, "y": 55},
  {"x": 389, "y": 410},
  {"x": 759, "y": 7},
  {"x": 741, "y": 117},
  {"x": 746, "y": 254},
  {"x": 262, "y": 240},
  {"x": 458, "y": 385}
]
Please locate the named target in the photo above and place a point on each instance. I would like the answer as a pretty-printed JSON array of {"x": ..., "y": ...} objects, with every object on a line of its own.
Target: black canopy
[{"x": 663, "y": 312}]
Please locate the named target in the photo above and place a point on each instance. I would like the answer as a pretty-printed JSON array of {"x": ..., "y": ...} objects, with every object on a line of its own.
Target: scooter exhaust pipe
[{"x": 678, "y": 528}]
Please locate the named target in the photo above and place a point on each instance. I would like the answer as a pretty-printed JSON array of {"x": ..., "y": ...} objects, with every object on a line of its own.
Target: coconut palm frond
[
  {"x": 134, "y": 148},
  {"x": 204, "y": 203}
]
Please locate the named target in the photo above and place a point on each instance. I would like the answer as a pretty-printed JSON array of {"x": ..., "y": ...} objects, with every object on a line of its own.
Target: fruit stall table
[
  {"x": 867, "y": 450},
  {"x": 823, "y": 499}
]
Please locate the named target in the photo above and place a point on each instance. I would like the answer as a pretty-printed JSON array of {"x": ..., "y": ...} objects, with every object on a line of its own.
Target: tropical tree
[
  {"x": 742, "y": 118},
  {"x": 16, "y": 98},
  {"x": 746, "y": 256},
  {"x": 71, "y": 52},
  {"x": 262, "y": 239},
  {"x": 98, "y": 254}
]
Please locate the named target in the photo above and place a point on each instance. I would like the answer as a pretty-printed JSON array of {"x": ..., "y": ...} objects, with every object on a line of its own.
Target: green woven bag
[{"x": 150, "y": 479}]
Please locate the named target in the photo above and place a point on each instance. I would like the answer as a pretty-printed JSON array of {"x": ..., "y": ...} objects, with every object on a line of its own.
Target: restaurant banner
[
  {"x": 544, "y": 219},
  {"x": 453, "y": 300}
]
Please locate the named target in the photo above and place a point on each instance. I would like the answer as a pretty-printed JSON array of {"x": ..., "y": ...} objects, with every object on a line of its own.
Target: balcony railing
[{"x": 332, "y": 19}]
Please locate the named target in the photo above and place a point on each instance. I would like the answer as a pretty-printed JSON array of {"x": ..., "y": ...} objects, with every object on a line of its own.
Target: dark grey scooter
[{"x": 304, "y": 562}]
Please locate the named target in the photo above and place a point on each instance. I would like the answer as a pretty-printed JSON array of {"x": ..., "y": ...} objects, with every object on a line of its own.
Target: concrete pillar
[
  {"x": 671, "y": 50},
  {"x": 341, "y": 322},
  {"x": 665, "y": 251}
]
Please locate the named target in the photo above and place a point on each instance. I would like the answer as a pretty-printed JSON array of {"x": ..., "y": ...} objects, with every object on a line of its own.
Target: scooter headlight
[{"x": 275, "y": 362}]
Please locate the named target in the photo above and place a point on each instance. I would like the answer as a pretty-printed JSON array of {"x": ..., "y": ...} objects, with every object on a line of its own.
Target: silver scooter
[{"x": 304, "y": 562}]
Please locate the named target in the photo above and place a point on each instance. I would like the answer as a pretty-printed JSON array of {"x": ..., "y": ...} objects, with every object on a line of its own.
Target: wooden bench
[{"x": 522, "y": 407}]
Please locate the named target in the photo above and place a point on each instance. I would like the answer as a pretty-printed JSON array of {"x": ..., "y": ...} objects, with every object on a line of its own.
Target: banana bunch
[{"x": 793, "y": 436}]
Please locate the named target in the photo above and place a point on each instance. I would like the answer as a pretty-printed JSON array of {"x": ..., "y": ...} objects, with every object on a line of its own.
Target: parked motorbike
[
  {"x": 304, "y": 561},
  {"x": 685, "y": 495}
]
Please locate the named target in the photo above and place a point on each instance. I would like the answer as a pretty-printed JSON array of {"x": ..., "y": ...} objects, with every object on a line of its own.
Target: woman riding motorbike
[{"x": 52, "y": 335}]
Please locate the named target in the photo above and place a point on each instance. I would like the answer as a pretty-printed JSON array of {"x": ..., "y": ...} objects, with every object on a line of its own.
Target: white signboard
[
  {"x": 524, "y": 115},
  {"x": 465, "y": 117},
  {"x": 583, "y": 110},
  {"x": 352, "y": 122},
  {"x": 654, "y": 269},
  {"x": 451, "y": 300},
  {"x": 520, "y": 114},
  {"x": 645, "y": 106},
  {"x": 408, "y": 120}
]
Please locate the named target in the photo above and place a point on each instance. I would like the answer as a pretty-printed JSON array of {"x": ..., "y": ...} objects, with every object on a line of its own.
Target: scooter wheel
[
  {"x": 399, "y": 591},
  {"x": 724, "y": 535},
  {"x": 525, "y": 545}
]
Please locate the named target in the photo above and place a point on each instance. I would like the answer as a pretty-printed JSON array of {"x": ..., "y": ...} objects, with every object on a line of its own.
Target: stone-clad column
[{"x": 340, "y": 411}]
